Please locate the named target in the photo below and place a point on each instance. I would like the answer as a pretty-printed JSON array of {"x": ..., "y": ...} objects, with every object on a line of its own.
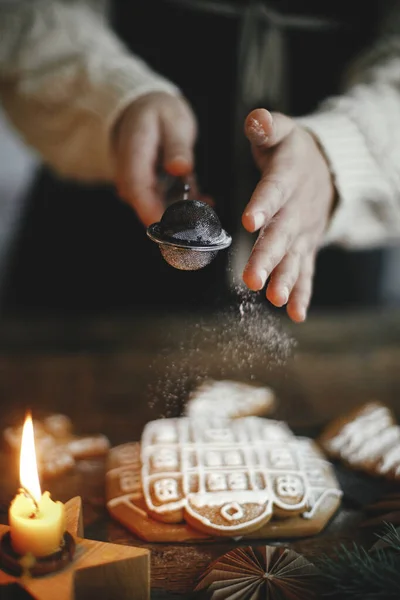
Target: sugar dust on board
[{"x": 241, "y": 342}]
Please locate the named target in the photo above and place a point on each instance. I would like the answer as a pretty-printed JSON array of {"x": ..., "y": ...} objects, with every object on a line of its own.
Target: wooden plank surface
[{"x": 113, "y": 375}]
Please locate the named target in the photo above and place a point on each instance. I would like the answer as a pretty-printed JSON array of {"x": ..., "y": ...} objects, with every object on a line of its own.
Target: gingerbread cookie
[
  {"x": 230, "y": 399},
  {"x": 125, "y": 501},
  {"x": 366, "y": 439},
  {"x": 56, "y": 446},
  {"x": 247, "y": 478}
]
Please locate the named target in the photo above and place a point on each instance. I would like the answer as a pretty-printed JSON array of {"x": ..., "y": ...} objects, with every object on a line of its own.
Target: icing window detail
[
  {"x": 219, "y": 435},
  {"x": 233, "y": 458},
  {"x": 165, "y": 434},
  {"x": 216, "y": 482},
  {"x": 289, "y": 486},
  {"x": 165, "y": 458},
  {"x": 232, "y": 511},
  {"x": 281, "y": 458},
  {"x": 238, "y": 481},
  {"x": 166, "y": 490},
  {"x": 213, "y": 459},
  {"x": 127, "y": 455},
  {"x": 316, "y": 476},
  {"x": 129, "y": 482}
]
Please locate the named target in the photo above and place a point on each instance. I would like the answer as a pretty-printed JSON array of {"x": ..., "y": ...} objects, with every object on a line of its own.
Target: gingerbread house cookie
[{"x": 247, "y": 477}]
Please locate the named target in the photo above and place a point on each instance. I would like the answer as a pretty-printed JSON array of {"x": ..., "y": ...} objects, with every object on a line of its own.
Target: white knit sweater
[{"x": 65, "y": 78}]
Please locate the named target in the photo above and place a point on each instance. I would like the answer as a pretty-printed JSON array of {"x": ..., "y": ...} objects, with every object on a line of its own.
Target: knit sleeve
[
  {"x": 64, "y": 80},
  {"x": 359, "y": 133}
]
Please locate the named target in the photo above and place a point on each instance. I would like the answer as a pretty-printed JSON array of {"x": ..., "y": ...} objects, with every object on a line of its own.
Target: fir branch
[
  {"x": 391, "y": 537},
  {"x": 357, "y": 574}
]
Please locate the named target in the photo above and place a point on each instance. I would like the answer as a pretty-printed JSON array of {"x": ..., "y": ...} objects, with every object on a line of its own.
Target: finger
[
  {"x": 301, "y": 294},
  {"x": 269, "y": 196},
  {"x": 278, "y": 182},
  {"x": 136, "y": 170},
  {"x": 272, "y": 245},
  {"x": 265, "y": 129},
  {"x": 284, "y": 277},
  {"x": 178, "y": 130}
]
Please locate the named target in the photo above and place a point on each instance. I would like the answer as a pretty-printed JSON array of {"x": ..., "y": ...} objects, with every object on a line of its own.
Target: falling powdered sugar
[{"x": 242, "y": 342}]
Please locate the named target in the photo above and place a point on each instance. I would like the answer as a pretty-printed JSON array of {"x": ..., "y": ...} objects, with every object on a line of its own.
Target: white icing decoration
[
  {"x": 129, "y": 481},
  {"x": 359, "y": 431},
  {"x": 375, "y": 447},
  {"x": 272, "y": 433},
  {"x": 166, "y": 433},
  {"x": 219, "y": 498},
  {"x": 316, "y": 476},
  {"x": 232, "y": 511},
  {"x": 371, "y": 437},
  {"x": 213, "y": 459},
  {"x": 320, "y": 500},
  {"x": 228, "y": 399},
  {"x": 252, "y": 482},
  {"x": 218, "y": 435},
  {"x": 126, "y": 499},
  {"x": 216, "y": 482},
  {"x": 166, "y": 458},
  {"x": 166, "y": 490},
  {"x": 391, "y": 460},
  {"x": 289, "y": 486},
  {"x": 233, "y": 458},
  {"x": 281, "y": 458},
  {"x": 237, "y": 481},
  {"x": 126, "y": 454}
]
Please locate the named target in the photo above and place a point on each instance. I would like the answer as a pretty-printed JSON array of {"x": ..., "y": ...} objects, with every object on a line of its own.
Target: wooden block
[
  {"x": 98, "y": 571},
  {"x": 74, "y": 517}
]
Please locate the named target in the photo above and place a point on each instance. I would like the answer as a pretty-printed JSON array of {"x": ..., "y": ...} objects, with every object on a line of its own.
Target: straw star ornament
[{"x": 265, "y": 572}]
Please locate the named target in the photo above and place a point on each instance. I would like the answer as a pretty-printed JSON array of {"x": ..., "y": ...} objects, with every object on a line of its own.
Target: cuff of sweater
[
  {"x": 121, "y": 93},
  {"x": 354, "y": 170}
]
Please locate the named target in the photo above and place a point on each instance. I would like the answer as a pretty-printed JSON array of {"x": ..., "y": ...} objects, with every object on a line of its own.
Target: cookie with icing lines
[
  {"x": 294, "y": 489},
  {"x": 210, "y": 473},
  {"x": 57, "y": 447},
  {"x": 230, "y": 399},
  {"x": 366, "y": 439},
  {"x": 90, "y": 446},
  {"x": 126, "y": 504}
]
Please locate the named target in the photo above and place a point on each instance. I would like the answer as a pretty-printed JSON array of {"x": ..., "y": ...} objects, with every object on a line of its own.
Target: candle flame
[{"x": 28, "y": 472}]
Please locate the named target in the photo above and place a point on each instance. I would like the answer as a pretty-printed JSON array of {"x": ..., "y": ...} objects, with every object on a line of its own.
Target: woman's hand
[
  {"x": 290, "y": 206},
  {"x": 156, "y": 130}
]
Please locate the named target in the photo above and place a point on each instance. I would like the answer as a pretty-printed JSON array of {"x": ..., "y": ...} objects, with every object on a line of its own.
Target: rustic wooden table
[{"x": 112, "y": 375}]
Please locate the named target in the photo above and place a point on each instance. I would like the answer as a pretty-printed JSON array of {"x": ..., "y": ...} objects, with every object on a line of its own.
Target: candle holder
[
  {"x": 15, "y": 564},
  {"x": 80, "y": 570}
]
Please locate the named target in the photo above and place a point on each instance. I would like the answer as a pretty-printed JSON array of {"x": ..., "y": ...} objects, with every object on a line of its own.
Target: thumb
[{"x": 265, "y": 130}]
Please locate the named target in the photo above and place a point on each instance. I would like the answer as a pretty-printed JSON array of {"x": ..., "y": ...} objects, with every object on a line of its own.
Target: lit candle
[{"x": 37, "y": 524}]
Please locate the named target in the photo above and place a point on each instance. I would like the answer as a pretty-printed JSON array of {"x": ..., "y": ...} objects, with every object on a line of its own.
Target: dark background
[{"x": 75, "y": 249}]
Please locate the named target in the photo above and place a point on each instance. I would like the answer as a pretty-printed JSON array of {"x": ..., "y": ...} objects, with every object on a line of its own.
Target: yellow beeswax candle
[{"x": 37, "y": 523}]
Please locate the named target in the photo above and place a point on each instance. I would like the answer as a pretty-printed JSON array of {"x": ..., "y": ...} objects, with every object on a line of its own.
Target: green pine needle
[
  {"x": 361, "y": 575},
  {"x": 391, "y": 536}
]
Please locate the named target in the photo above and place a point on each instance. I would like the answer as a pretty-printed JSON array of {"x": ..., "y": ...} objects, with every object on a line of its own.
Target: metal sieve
[{"x": 189, "y": 234}]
